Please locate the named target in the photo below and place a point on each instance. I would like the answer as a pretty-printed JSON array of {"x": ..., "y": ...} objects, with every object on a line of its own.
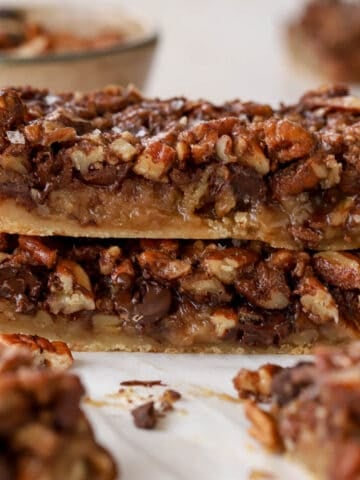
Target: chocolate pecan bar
[
  {"x": 326, "y": 37},
  {"x": 314, "y": 414},
  {"x": 43, "y": 432},
  {"x": 177, "y": 295},
  {"x": 115, "y": 164}
]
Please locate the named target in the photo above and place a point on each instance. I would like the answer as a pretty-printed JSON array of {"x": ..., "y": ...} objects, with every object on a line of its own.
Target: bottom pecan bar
[
  {"x": 43, "y": 432},
  {"x": 177, "y": 295},
  {"x": 315, "y": 410}
]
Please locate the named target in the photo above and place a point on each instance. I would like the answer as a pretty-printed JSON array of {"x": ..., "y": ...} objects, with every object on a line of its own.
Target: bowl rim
[{"x": 150, "y": 37}]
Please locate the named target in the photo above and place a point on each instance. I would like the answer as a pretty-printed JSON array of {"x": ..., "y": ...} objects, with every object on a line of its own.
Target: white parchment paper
[{"x": 205, "y": 437}]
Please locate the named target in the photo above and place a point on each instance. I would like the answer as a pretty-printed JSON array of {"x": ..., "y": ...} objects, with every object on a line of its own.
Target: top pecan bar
[{"x": 115, "y": 164}]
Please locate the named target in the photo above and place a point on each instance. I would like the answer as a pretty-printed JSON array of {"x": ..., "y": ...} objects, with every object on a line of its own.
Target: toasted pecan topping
[
  {"x": 53, "y": 354},
  {"x": 294, "y": 166}
]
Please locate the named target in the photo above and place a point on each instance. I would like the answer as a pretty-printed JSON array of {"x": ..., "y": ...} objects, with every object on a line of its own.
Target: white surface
[{"x": 203, "y": 438}]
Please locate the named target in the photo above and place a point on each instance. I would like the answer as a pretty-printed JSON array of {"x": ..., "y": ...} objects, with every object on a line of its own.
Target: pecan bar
[
  {"x": 314, "y": 413},
  {"x": 326, "y": 37},
  {"x": 43, "y": 432},
  {"x": 177, "y": 295},
  {"x": 115, "y": 164}
]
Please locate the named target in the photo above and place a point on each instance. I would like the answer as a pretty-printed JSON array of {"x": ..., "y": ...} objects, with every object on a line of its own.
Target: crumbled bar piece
[
  {"x": 117, "y": 165},
  {"x": 145, "y": 416},
  {"x": 314, "y": 412},
  {"x": 45, "y": 353},
  {"x": 326, "y": 36},
  {"x": 43, "y": 431},
  {"x": 176, "y": 295},
  {"x": 168, "y": 398},
  {"x": 256, "y": 384}
]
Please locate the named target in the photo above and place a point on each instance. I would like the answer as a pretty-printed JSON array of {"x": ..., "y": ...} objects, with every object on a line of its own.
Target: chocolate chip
[
  {"x": 107, "y": 175},
  {"x": 262, "y": 329},
  {"x": 290, "y": 382},
  {"x": 145, "y": 416},
  {"x": 18, "y": 284},
  {"x": 154, "y": 304},
  {"x": 248, "y": 186}
]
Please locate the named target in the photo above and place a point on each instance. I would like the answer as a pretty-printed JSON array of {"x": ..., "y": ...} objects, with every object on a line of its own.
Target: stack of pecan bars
[{"x": 139, "y": 224}]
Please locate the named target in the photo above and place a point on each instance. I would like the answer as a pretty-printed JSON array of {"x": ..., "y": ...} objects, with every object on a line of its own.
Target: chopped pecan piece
[
  {"x": 155, "y": 161},
  {"x": 287, "y": 140},
  {"x": 71, "y": 289},
  {"x": 201, "y": 287},
  {"x": 16, "y": 160},
  {"x": 341, "y": 269},
  {"x": 224, "y": 320},
  {"x": 83, "y": 156},
  {"x": 317, "y": 301},
  {"x": 124, "y": 147},
  {"x": 226, "y": 263},
  {"x": 256, "y": 384},
  {"x": 162, "y": 266},
  {"x": 251, "y": 155},
  {"x": 108, "y": 259},
  {"x": 265, "y": 287},
  {"x": 306, "y": 175}
]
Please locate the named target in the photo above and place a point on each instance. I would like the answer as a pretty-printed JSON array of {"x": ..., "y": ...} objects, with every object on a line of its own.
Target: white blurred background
[{"x": 218, "y": 49}]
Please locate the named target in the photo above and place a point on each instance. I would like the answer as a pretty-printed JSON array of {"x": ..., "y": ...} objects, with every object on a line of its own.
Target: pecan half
[
  {"x": 225, "y": 264},
  {"x": 38, "y": 251},
  {"x": 163, "y": 266},
  {"x": 265, "y": 287},
  {"x": 341, "y": 269},
  {"x": 70, "y": 289},
  {"x": 317, "y": 301}
]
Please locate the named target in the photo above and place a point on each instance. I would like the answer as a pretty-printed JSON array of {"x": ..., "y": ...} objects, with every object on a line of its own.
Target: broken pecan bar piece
[
  {"x": 314, "y": 413},
  {"x": 326, "y": 37},
  {"x": 44, "y": 352},
  {"x": 115, "y": 164},
  {"x": 177, "y": 295},
  {"x": 43, "y": 432}
]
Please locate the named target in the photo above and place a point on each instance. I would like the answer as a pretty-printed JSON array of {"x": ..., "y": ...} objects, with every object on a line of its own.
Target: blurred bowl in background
[{"x": 127, "y": 61}]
